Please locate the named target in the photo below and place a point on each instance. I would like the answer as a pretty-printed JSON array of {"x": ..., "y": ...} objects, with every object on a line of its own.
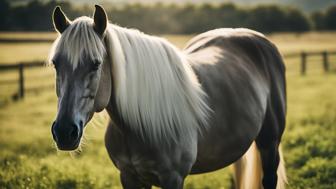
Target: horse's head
[{"x": 83, "y": 81}]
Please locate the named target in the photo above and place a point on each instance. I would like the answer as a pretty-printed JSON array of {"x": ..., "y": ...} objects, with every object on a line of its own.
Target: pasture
[{"x": 29, "y": 159}]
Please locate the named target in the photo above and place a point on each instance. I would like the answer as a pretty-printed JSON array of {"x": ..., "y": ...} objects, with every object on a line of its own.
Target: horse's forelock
[{"x": 79, "y": 41}]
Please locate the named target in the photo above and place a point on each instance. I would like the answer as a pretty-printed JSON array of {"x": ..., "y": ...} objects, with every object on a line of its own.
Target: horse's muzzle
[{"x": 67, "y": 136}]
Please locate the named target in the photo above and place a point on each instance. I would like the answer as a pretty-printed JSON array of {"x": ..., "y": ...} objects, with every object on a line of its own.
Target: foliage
[
  {"x": 325, "y": 20},
  {"x": 162, "y": 18}
]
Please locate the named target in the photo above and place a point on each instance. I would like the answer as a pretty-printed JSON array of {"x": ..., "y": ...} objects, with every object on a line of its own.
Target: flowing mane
[
  {"x": 156, "y": 90},
  {"x": 157, "y": 93}
]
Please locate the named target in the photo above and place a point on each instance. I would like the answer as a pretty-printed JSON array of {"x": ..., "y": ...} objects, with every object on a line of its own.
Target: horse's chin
[{"x": 71, "y": 147}]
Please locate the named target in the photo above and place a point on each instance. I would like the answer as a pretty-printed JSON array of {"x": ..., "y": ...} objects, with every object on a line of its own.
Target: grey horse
[{"x": 219, "y": 101}]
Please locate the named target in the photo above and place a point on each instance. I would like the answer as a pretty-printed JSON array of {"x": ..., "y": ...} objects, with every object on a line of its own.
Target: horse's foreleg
[
  {"x": 130, "y": 181},
  {"x": 171, "y": 180}
]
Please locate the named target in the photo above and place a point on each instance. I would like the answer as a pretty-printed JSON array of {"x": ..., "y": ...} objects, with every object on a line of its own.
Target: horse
[{"x": 219, "y": 101}]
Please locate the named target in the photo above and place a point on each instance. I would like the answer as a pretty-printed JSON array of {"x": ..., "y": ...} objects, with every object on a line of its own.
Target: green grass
[
  {"x": 23, "y": 52},
  {"x": 309, "y": 141},
  {"x": 29, "y": 159}
]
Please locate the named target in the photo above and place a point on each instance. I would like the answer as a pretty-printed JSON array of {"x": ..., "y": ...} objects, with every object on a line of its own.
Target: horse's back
[{"x": 238, "y": 69}]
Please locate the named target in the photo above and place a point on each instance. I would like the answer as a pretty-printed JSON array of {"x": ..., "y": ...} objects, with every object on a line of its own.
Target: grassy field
[
  {"x": 286, "y": 42},
  {"x": 29, "y": 159}
]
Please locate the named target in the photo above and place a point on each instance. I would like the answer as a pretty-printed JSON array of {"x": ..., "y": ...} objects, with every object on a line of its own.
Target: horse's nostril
[{"x": 75, "y": 132}]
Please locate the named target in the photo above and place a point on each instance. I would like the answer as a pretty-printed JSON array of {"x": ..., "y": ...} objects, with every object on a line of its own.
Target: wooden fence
[
  {"x": 305, "y": 55},
  {"x": 20, "y": 67}
]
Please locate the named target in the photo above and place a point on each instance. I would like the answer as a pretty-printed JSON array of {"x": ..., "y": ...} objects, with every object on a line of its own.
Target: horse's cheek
[{"x": 103, "y": 95}]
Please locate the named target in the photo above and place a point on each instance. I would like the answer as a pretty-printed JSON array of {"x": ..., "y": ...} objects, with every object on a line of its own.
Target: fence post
[
  {"x": 303, "y": 63},
  {"x": 21, "y": 81},
  {"x": 325, "y": 61}
]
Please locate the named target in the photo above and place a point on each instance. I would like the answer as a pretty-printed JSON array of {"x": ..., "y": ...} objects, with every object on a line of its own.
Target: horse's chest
[
  {"x": 145, "y": 162},
  {"x": 132, "y": 157},
  {"x": 141, "y": 165}
]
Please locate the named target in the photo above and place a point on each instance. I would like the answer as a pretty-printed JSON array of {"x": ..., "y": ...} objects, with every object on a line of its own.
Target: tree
[
  {"x": 4, "y": 15},
  {"x": 325, "y": 20},
  {"x": 318, "y": 21},
  {"x": 296, "y": 21},
  {"x": 330, "y": 18}
]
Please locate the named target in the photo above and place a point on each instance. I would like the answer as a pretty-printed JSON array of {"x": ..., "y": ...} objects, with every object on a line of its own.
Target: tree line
[{"x": 172, "y": 19}]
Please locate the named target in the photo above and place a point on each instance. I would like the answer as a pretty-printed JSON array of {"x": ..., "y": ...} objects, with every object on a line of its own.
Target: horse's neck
[
  {"x": 113, "y": 111},
  {"x": 169, "y": 100}
]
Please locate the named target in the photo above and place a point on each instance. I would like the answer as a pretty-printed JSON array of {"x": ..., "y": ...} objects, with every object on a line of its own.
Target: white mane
[{"x": 157, "y": 93}]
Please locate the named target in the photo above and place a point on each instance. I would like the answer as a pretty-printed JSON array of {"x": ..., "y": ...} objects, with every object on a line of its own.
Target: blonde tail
[
  {"x": 248, "y": 171},
  {"x": 282, "y": 178}
]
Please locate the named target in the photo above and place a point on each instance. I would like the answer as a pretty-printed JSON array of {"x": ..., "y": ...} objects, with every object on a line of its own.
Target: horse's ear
[
  {"x": 61, "y": 22},
  {"x": 100, "y": 20}
]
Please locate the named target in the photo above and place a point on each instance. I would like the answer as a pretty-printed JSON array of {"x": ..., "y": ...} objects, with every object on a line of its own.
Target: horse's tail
[
  {"x": 282, "y": 178},
  {"x": 248, "y": 170}
]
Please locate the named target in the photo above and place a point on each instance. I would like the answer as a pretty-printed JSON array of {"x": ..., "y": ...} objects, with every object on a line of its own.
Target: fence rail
[
  {"x": 21, "y": 81},
  {"x": 305, "y": 55},
  {"x": 20, "y": 67},
  {"x": 5, "y": 67}
]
